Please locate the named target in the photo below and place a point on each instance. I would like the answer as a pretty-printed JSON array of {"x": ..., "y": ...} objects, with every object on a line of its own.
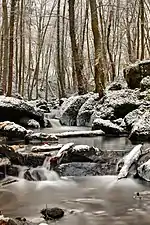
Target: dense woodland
[{"x": 53, "y": 48}]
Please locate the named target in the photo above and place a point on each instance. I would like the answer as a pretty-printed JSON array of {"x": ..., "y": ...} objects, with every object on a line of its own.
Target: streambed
[{"x": 86, "y": 200}]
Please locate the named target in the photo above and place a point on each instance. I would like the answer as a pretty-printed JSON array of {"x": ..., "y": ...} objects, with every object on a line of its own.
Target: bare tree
[
  {"x": 99, "y": 70},
  {"x": 11, "y": 46}
]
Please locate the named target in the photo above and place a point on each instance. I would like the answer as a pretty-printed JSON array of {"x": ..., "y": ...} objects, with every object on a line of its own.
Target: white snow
[
  {"x": 46, "y": 147},
  {"x": 64, "y": 148},
  {"x": 80, "y": 133},
  {"x": 7, "y": 126},
  {"x": 129, "y": 160}
]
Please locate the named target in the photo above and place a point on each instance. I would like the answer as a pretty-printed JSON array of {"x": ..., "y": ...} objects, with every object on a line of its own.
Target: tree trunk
[
  {"x": 1, "y": 53},
  {"x": 99, "y": 70},
  {"x": 75, "y": 50},
  {"x": 5, "y": 59},
  {"x": 142, "y": 28},
  {"x": 59, "y": 68},
  {"x": 21, "y": 46},
  {"x": 11, "y": 46}
]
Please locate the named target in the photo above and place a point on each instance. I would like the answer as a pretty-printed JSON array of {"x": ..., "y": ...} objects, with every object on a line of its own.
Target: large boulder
[
  {"x": 79, "y": 169},
  {"x": 116, "y": 104},
  {"x": 69, "y": 109},
  {"x": 141, "y": 128},
  {"x": 12, "y": 130},
  {"x": 134, "y": 73},
  {"x": 107, "y": 126},
  {"x": 81, "y": 153},
  {"x": 86, "y": 110},
  {"x": 132, "y": 117},
  {"x": 13, "y": 109}
]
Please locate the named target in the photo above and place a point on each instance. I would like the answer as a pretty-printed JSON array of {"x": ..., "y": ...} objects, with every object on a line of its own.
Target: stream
[{"x": 86, "y": 200}]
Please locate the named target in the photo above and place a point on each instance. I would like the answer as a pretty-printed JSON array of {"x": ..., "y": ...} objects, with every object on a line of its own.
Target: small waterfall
[
  {"x": 38, "y": 174},
  {"x": 54, "y": 122},
  {"x": 47, "y": 163}
]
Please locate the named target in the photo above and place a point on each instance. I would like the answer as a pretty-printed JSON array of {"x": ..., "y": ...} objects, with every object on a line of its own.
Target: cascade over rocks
[
  {"x": 134, "y": 73},
  {"x": 107, "y": 126},
  {"x": 69, "y": 109},
  {"x": 13, "y": 109}
]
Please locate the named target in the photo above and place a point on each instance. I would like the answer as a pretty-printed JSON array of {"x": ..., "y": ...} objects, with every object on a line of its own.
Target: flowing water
[{"x": 86, "y": 200}]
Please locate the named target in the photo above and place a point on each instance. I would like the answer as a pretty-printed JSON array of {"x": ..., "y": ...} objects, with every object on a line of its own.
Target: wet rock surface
[
  {"x": 53, "y": 213},
  {"x": 81, "y": 153},
  {"x": 14, "y": 221},
  {"x": 105, "y": 165},
  {"x": 108, "y": 127}
]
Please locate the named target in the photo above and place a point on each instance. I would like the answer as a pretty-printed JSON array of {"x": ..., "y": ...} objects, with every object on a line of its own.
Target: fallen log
[
  {"x": 128, "y": 160},
  {"x": 46, "y": 148},
  {"x": 79, "y": 134}
]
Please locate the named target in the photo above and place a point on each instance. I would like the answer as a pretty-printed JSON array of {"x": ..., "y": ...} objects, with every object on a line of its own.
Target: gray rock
[
  {"x": 79, "y": 169},
  {"x": 12, "y": 130},
  {"x": 134, "y": 73},
  {"x": 39, "y": 137},
  {"x": 53, "y": 213},
  {"x": 132, "y": 117},
  {"x": 13, "y": 109},
  {"x": 41, "y": 104},
  {"x": 144, "y": 171},
  {"x": 107, "y": 126},
  {"x": 145, "y": 83},
  {"x": 69, "y": 109},
  {"x": 30, "y": 123},
  {"x": 82, "y": 153},
  {"x": 116, "y": 104},
  {"x": 117, "y": 85},
  {"x": 106, "y": 165},
  {"x": 118, "y": 121},
  {"x": 141, "y": 128},
  {"x": 86, "y": 110}
]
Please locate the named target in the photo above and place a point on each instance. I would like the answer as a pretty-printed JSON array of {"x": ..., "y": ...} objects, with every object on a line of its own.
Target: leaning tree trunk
[
  {"x": 11, "y": 46},
  {"x": 75, "y": 50},
  {"x": 99, "y": 69}
]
